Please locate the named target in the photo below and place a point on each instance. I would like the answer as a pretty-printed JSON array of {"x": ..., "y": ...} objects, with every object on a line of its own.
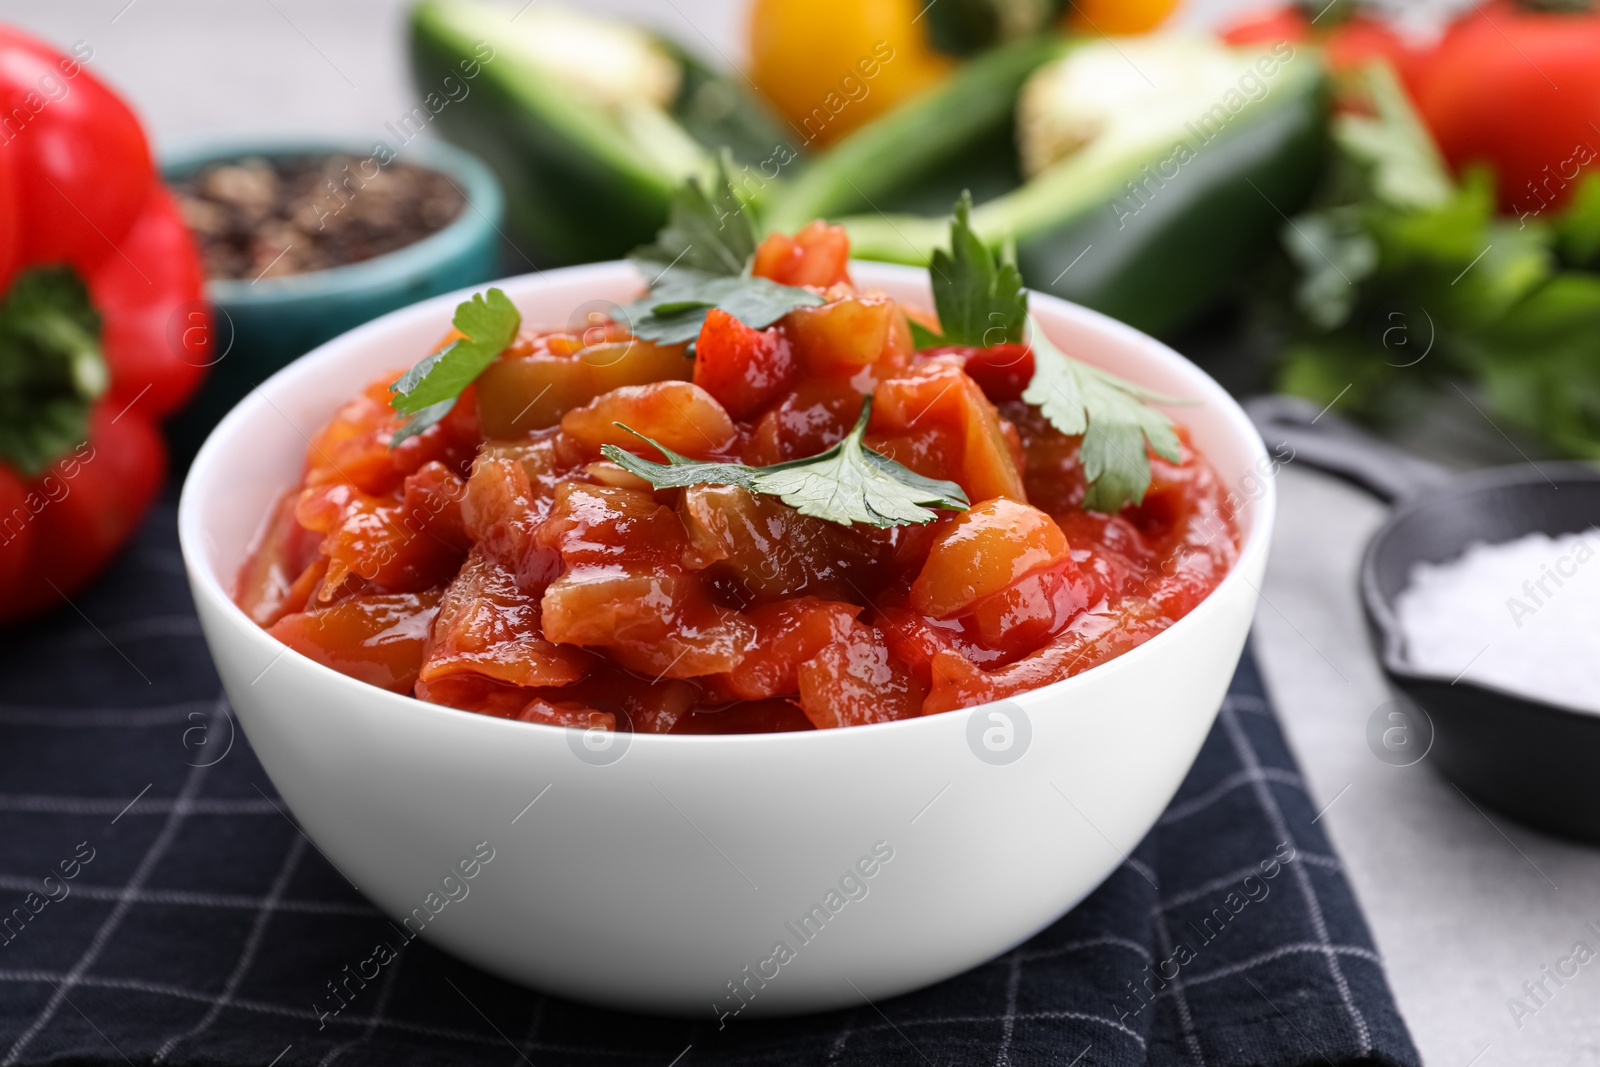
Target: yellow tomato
[
  {"x": 1118, "y": 16},
  {"x": 830, "y": 65}
]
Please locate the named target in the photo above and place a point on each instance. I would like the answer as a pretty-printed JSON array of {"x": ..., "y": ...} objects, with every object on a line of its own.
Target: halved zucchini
[
  {"x": 1152, "y": 171},
  {"x": 591, "y": 123}
]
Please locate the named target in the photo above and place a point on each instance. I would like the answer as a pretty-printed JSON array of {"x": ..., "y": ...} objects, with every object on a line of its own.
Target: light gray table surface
[{"x": 1465, "y": 906}]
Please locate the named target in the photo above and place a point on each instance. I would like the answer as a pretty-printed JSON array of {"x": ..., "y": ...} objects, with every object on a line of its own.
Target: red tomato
[
  {"x": 743, "y": 368},
  {"x": 1001, "y": 371},
  {"x": 1519, "y": 90},
  {"x": 378, "y": 639},
  {"x": 854, "y": 681},
  {"x": 818, "y": 255}
]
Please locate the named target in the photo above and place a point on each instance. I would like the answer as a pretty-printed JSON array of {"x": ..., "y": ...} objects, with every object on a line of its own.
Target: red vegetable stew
[{"x": 500, "y": 562}]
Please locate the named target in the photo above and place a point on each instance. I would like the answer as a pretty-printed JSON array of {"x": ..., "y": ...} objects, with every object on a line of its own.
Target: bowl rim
[
  {"x": 1261, "y": 513},
  {"x": 483, "y": 209}
]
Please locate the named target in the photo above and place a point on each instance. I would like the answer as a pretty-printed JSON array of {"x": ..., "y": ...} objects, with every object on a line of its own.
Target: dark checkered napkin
[{"x": 157, "y": 904}]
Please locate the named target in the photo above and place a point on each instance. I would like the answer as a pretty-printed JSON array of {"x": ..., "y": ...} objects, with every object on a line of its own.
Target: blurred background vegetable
[
  {"x": 590, "y": 122},
  {"x": 102, "y": 331},
  {"x": 1518, "y": 88},
  {"x": 830, "y": 66},
  {"x": 1137, "y": 178},
  {"x": 1407, "y": 282},
  {"x": 1445, "y": 246},
  {"x": 1118, "y": 16}
]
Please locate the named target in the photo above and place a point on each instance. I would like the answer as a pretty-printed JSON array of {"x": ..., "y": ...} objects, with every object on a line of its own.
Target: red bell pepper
[{"x": 102, "y": 328}]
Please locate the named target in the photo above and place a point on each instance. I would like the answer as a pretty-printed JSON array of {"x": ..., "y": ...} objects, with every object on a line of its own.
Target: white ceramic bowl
[{"x": 659, "y": 872}]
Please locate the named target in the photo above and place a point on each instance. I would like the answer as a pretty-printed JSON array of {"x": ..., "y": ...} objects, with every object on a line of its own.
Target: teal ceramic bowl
[{"x": 262, "y": 326}]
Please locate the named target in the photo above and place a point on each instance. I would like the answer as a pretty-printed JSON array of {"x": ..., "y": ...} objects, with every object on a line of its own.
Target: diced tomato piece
[
  {"x": 787, "y": 634},
  {"x": 1001, "y": 371},
  {"x": 743, "y": 368},
  {"x": 369, "y": 544},
  {"x": 489, "y": 626},
  {"x": 1031, "y": 610},
  {"x": 855, "y": 681},
  {"x": 1053, "y": 472},
  {"x": 654, "y": 621},
  {"x": 680, "y": 415},
  {"x": 284, "y": 552},
  {"x": 605, "y": 524},
  {"x": 818, "y": 255},
  {"x": 809, "y": 419},
  {"x": 938, "y": 391},
  {"x": 1089, "y": 640},
  {"x": 354, "y": 446},
  {"x": 915, "y": 640},
  {"x": 930, "y": 448},
  {"x": 377, "y": 639},
  {"x": 431, "y": 505},
  {"x": 501, "y": 513},
  {"x": 983, "y": 551}
]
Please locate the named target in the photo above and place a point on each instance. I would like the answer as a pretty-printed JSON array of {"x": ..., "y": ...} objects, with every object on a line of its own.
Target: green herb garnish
[
  {"x": 430, "y": 389},
  {"x": 978, "y": 295},
  {"x": 846, "y": 484},
  {"x": 707, "y": 233},
  {"x": 1112, "y": 414},
  {"x": 702, "y": 260},
  {"x": 981, "y": 302}
]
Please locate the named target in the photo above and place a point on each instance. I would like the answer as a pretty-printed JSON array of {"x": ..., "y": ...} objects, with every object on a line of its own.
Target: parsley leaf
[
  {"x": 1113, "y": 416},
  {"x": 978, "y": 295},
  {"x": 981, "y": 301},
  {"x": 674, "y": 311},
  {"x": 429, "y": 390},
  {"x": 701, "y": 259},
  {"x": 846, "y": 484},
  {"x": 708, "y": 233}
]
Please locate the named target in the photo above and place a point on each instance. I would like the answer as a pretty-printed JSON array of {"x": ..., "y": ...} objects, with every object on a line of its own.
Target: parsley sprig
[
  {"x": 702, "y": 259},
  {"x": 1113, "y": 416},
  {"x": 979, "y": 296},
  {"x": 430, "y": 389},
  {"x": 848, "y": 483},
  {"x": 980, "y": 300}
]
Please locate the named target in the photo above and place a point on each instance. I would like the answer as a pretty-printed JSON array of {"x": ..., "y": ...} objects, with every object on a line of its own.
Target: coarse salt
[{"x": 1522, "y": 616}]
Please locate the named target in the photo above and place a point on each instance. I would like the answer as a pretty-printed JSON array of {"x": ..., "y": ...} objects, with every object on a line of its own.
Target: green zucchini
[
  {"x": 1146, "y": 201},
  {"x": 591, "y": 124},
  {"x": 963, "y": 125}
]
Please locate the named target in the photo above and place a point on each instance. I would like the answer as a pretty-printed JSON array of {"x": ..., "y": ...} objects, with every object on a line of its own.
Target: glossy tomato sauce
[{"x": 497, "y": 563}]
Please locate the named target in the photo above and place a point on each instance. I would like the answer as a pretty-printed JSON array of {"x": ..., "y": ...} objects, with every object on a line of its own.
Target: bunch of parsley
[{"x": 1406, "y": 280}]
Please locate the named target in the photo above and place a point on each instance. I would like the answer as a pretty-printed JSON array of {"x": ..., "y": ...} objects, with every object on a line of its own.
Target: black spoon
[{"x": 1534, "y": 760}]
